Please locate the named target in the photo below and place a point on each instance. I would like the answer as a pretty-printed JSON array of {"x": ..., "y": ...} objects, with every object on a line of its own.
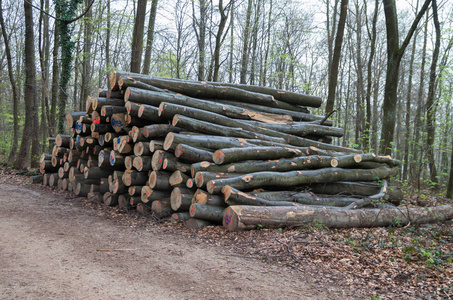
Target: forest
[{"x": 382, "y": 68}]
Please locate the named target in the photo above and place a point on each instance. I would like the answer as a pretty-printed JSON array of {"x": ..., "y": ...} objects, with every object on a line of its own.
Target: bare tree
[
  {"x": 150, "y": 37},
  {"x": 137, "y": 37}
]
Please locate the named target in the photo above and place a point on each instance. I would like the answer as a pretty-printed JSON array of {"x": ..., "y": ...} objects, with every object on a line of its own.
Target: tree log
[
  {"x": 203, "y": 141},
  {"x": 172, "y": 165},
  {"x": 193, "y": 223},
  {"x": 159, "y": 130},
  {"x": 206, "y": 212},
  {"x": 124, "y": 202},
  {"x": 295, "y": 178},
  {"x": 150, "y": 195},
  {"x": 161, "y": 208},
  {"x": 181, "y": 199},
  {"x": 180, "y": 217},
  {"x": 142, "y": 148},
  {"x": 229, "y": 155},
  {"x": 99, "y": 102},
  {"x": 158, "y": 157},
  {"x": 159, "y": 180},
  {"x": 192, "y": 154},
  {"x": 178, "y": 178},
  {"x": 135, "y": 178},
  {"x": 143, "y": 208},
  {"x": 110, "y": 199},
  {"x": 142, "y": 163},
  {"x": 239, "y": 217},
  {"x": 202, "y": 178},
  {"x": 135, "y": 190},
  {"x": 149, "y": 112},
  {"x": 202, "y": 197}
]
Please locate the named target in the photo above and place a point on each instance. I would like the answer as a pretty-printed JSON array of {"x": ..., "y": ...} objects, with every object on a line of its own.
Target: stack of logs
[{"x": 207, "y": 153}]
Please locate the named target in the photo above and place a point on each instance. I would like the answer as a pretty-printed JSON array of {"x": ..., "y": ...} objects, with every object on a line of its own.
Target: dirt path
[{"x": 49, "y": 249}]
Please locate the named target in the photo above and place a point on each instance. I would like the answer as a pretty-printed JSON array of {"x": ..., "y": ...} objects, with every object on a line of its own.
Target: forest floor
[{"x": 58, "y": 246}]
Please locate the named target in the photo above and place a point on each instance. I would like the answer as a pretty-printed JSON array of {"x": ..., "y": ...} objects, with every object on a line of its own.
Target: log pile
[{"x": 212, "y": 153}]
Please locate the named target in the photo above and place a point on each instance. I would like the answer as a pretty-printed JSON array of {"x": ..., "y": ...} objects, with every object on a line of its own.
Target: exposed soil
[
  {"x": 58, "y": 247},
  {"x": 54, "y": 245}
]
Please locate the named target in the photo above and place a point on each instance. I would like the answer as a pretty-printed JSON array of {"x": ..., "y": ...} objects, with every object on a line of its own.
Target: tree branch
[{"x": 61, "y": 20}]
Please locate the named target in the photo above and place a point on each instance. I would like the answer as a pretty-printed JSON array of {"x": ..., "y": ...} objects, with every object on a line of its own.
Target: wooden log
[
  {"x": 229, "y": 155},
  {"x": 203, "y": 91},
  {"x": 129, "y": 162},
  {"x": 72, "y": 117},
  {"x": 143, "y": 163},
  {"x": 159, "y": 180},
  {"x": 206, "y": 212},
  {"x": 180, "y": 217},
  {"x": 53, "y": 179},
  {"x": 295, "y": 178},
  {"x": 118, "y": 187},
  {"x": 161, "y": 208},
  {"x": 135, "y": 200},
  {"x": 202, "y": 197},
  {"x": 211, "y": 128},
  {"x": 118, "y": 122},
  {"x": 172, "y": 165},
  {"x": 109, "y": 110},
  {"x": 178, "y": 178},
  {"x": 156, "y": 145},
  {"x": 193, "y": 223},
  {"x": 99, "y": 102},
  {"x": 103, "y": 185},
  {"x": 45, "y": 179},
  {"x": 131, "y": 82},
  {"x": 204, "y": 141},
  {"x": 101, "y": 128},
  {"x": 135, "y": 190},
  {"x": 158, "y": 157},
  {"x": 190, "y": 183},
  {"x": 44, "y": 157},
  {"x": 279, "y": 165},
  {"x": 96, "y": 173},
  {"x": 149, "y": 112},
  {"x": 192, "y": 154},
  {"x": 117, "y": 160},
  {"x": 110, "y": 199},
  {"x": 202, "y": 178},
  {"x": 82, "y": 189},
  {"x": 62, "y": 174},
  {"x": 159, "y": 130},
  {"x": 135, "y": 178},
  {"x": 95, "y": 197},
  {"x": 150, "y": 195},
  {"x": 142, "y": 149},
  {"x": 301, "y": 128},
  {"x": 62, "y": 140},
  {"x": 240, "y": 217},
  {"x": 181, "y": 199}
]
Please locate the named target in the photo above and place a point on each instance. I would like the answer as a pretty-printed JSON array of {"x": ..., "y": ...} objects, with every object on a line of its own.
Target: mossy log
[
  {"x": 240, "y": 217},
  {"x": 295, "y": 178}
]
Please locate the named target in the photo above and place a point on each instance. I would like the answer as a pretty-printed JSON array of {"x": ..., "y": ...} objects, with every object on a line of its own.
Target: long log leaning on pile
[{"x": 240, "y": 217}]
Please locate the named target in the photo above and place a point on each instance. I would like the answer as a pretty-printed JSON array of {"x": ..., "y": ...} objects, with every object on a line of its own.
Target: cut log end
[{"x": 218, "y": 157}]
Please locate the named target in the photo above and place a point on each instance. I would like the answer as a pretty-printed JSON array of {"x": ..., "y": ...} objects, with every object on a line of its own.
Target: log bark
[
  {"x": 161, "y": 208},
  {"x": 202, "y": 197},
  {"x": 180, "y": 217},
  {"x": 181, "y": 199},
  {"x": 203, "y": 141},
  {"x": 135, "y": 190},
  {"x": 142, "y": 148},
  {"x": 72, "y": 117},
  {"x": 135, "y": 178},
  {"x": 155, "y": 145},
  {"x": 149, "y": 112},
  {"x": 178, "y": 178},
  {"x": 159, "y": 130},
  {"x": 129, "y": 162},
  {"x": 62, "y": 140},
  {"x": 238, "y": 217},
  {"x": 158, "y": 157},
  {"x": 193, "y": 223},
  {"x": 150, "y": 195},
  {"x": 124, "y": 202},
  {"x": 110, "y": 199},
  {"x": 229, "y": 155},
  {"x": 118, "y": 187},
  {"x": 159, "y": 180},
  {"x": 142, "y": 163},
  {"x": 82, "y": 189},
  {"x": 202, "y": 178},
  {"x": 109, "y": 110},
  {"x": 99, "y": 102},
  {"x": 172, "y": 165},
  {"x": 96, "y": 173},
  {"x": 295, "y": 178},
  {"x": 192, "y": 154},
  {"x": 207, "y": 212},
  {"x": 143, "y": 208}
]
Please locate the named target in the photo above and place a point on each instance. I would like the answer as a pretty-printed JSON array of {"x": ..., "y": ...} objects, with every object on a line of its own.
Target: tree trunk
[
  {"x": 333, "y": 71},
  {"x": 240, "y": 217},
  {"x": 137, "y": 37},
  {"x": 294, "y": 178},
  {"x": 150, "y": 37},
  {"x": 245, "y": 44}
]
